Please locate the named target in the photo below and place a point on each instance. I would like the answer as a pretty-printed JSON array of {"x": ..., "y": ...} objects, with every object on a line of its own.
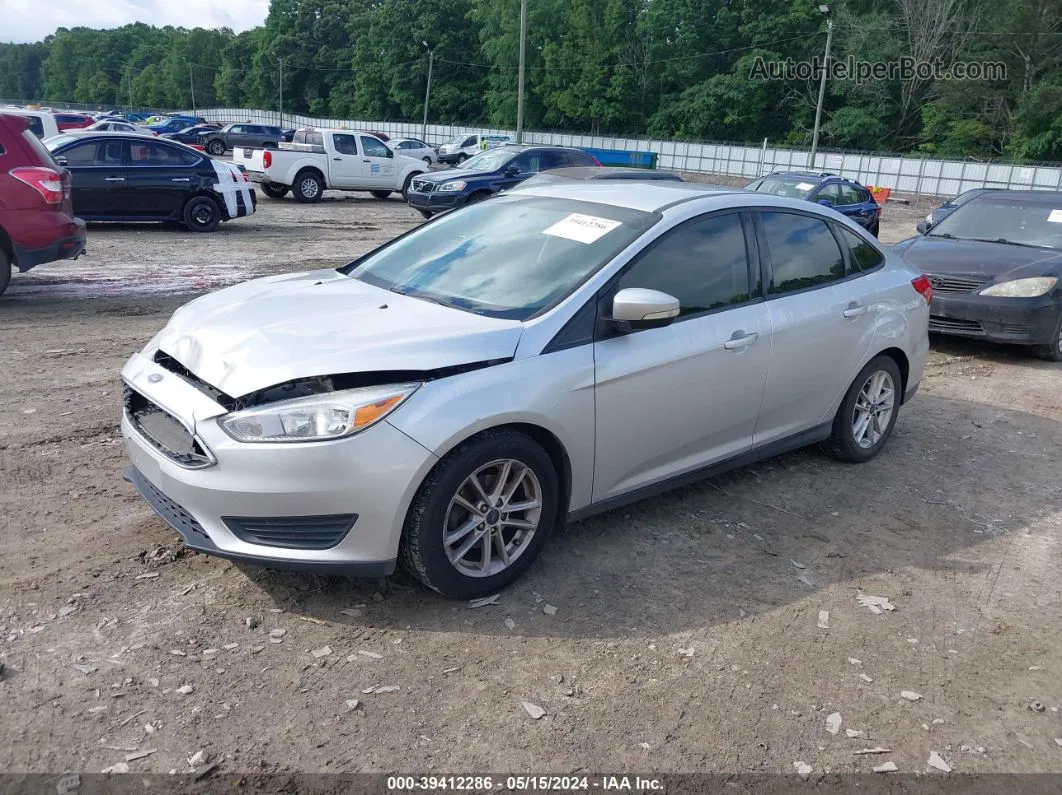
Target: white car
[
  {"x": 415, "y": 148},
  {"x": 460, "y": 148},
  {"x": 120, "y": 126},
  {"x": 42, "y": 123}
]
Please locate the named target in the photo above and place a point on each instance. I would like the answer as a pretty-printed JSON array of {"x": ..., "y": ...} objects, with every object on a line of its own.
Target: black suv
[
  {"x": 231, "y": 136},
  {"x": 487, "y": 173}
]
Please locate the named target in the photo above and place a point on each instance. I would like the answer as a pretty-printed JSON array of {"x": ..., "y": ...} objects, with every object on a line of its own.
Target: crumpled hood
[
  {"x": 269, "y": 331},
  {"x": 934, "y": 254}
]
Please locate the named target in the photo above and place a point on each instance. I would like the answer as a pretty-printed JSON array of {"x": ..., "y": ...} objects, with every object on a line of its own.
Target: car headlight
[
  {"x": 1021, "y": 288},
  {"x": 331, "y": 415},
  {"x": 451, "y": 186}
]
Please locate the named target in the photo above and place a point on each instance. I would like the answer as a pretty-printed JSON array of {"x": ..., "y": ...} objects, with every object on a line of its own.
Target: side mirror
[
  {"x": 511, "y": 171},
  {"x": 922, "y": 227},
  {"x": 642, "y": 308},
  {"x": 60, "y": 161},
  {"x": 826, "y": 202}
]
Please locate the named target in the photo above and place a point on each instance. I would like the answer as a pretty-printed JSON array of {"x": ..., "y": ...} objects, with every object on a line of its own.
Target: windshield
[
  {"x": 508, "y": 257},
  {"x": 1026, "y": 222},
  {"x": 459, "y": 139},
  {"x": 491, "y": 160},
  {"x": 793, "y": 187}
]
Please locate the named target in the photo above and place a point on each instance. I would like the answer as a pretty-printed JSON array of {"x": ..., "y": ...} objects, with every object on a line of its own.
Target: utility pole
[
  {"x": 129, "y": 77},
  {"x": 427, "y": 94},
  {"x": 825, "y": 11},
  {"x": 191, "y": 83},
  {"x": 520, "y": 84},
  {"x": 281, "y": 60}
]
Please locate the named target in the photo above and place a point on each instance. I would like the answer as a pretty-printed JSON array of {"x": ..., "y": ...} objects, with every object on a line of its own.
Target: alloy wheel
[
  {"x": 873, "y": 409},
  {"x": 492, "y": 518},
  {"x": 309, "y": 187}
]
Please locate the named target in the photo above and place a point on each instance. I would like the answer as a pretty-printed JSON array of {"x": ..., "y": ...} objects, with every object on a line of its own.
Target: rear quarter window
[{"x": 580, "y": 159}]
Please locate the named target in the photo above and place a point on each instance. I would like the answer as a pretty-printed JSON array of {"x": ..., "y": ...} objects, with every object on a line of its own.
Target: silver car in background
[{"x": 450, "y": 398}]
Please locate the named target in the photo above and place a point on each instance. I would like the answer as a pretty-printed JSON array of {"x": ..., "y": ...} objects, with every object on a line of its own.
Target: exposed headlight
[
  {"x": 1021, "y": 288},
  {"x": 331, "y": 415},
  {"x": 455, "y": 185}
]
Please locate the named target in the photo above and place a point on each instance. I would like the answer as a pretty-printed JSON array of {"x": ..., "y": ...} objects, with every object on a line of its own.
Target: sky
[{"x": 32, "y": 20}]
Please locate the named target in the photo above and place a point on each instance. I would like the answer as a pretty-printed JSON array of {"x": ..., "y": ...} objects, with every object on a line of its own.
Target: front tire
[
  {"x": 275, "y": 191},
  {"x": 875, "y": 228},
  {"x": 406, "y": 184},
  {"x": 461, "y": 158},
  {"x": 202, "y": 214},
  {"x": 425, "y": 213},
  {"x": 457, "y": 544},
  {"x": 427, "y": 161},
  {"x": 380, "y": 194},
  {"x": 868, "y": 413},
  {"x": 1049, "y": 352},
  {"x": 216, "y": 148},
  {"x": 308, "y": 187}
]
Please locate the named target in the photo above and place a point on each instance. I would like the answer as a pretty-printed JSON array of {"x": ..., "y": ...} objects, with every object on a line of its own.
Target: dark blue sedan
[
  {"x": 487, "y": 173},
  {"x": 846, "y": 196},
  {"x": 191, "y": 134}
]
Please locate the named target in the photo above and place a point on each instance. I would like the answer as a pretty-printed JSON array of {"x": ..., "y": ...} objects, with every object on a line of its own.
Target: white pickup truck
[{"x": 317, "y": 160}]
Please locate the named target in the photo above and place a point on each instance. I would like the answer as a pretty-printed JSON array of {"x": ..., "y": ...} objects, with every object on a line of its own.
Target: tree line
[{"x": 666, "y": 68}]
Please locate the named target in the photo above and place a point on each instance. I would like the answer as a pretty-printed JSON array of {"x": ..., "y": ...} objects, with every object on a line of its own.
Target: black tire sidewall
[
  {"x": 841, "y": 440},
  {"x": 297, "y": 188},
  {"x": 5, "y": 271},
  {"x": 382, "y": 195},
  {"x": 275, "y": 191},
  {"x": 422, "y": 551},
  {"x": 198, "y": 201}
]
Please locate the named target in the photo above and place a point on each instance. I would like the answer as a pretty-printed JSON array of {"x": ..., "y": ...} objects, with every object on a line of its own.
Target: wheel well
[
  {"x": 900, "y": 358},
  {"x": 309, "y": 170},
  {"x": 554, "y": 449}
]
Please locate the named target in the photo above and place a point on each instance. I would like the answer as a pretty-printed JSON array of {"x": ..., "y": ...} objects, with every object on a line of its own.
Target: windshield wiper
[
  {"x": 1006, "y": 242},
  {"x": 422, "y": 296}
]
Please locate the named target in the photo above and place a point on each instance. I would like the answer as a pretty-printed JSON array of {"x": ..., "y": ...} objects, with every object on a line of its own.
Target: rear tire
[
  {"x": 461, "y": 158},
  {"x": 202, "y": 214},
  {"x": 5, "y": 271},
  {"x": 270, "y": 145},
  {"x": 437, "y": 509},
  {"x": 308, "y": 187},
  {"x": 216, "y": 147},
  {"x": 275, "y": 191},
  {"x": 380, "y": 194},
  {"x": 475, "y": 198},
  {"x": 867, "y": 415}
]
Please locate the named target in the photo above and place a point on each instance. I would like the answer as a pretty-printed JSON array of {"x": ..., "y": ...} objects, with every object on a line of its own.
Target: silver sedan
[{"x": 450, "y": 398}]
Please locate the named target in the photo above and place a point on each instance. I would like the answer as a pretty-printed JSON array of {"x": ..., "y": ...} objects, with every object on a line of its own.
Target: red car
[
  {"x": 72, "y": 121},
  {"x": 37, "y": 222}
]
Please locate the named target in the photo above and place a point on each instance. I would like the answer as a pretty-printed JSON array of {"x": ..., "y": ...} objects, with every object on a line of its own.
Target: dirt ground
[{"x": 686, "y": 635}]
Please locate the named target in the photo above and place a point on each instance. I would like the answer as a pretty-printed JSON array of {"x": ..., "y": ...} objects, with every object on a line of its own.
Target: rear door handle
[
  {"x": 855, "y": 310},
  {"x": 181, "y": 179},
  {"x": 114, "y": 179},
  {"x": 737, "y": 343},
  {"x": 337, "y": 158},
  {"x": 366, "y": 160}
]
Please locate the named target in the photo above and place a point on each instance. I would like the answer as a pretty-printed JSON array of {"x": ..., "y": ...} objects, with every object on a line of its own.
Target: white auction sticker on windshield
[
  {"x": 582, "y": 228},
  {"x": 805, "y": 186},
  {"x": 1055, "y": 217}
]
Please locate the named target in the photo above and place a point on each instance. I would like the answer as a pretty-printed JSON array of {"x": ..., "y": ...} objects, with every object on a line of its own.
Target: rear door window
[
  {"x": 863, "y": 255},
  {"x": 552, "y": 159},
  {"x": 345, "y": 144},
  {"x": 803, "y": 252}
]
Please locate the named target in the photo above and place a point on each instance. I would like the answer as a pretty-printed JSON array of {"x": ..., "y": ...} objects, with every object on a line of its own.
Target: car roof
[
  {"x": 1045, "y": 197},
  {"x": 648, "y": 196},
  {"x": 610, "y": 172}
]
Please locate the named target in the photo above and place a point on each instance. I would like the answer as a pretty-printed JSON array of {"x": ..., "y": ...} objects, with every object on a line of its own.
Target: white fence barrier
[{"x": 916, "y": 175}]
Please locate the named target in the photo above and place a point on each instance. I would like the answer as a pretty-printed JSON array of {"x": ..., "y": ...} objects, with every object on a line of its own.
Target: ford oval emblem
[{"x": 154, "y": 378}]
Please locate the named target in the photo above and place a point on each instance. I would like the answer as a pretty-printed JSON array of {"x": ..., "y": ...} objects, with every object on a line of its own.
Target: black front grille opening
[
  {"x": 938, "y": 323},
  {"x": 1016, "y": 330},
  {"x": 167, "y": 362},
  {"x": 292, "y": 532},
  {"x": 163, "y": 431},
  {"x": 173, "y": 513}
]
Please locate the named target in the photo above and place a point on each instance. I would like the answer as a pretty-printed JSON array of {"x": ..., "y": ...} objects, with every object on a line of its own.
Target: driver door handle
[
  {"x": 114, "y": 179},
  {"x": 855, "y": 310},
  {"x": 737, "y": 343},
  {"x": 337, "y": 158}
]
